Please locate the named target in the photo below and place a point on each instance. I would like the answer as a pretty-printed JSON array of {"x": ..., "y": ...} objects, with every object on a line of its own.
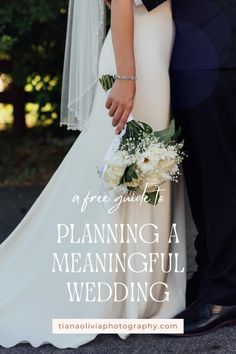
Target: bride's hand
[
  {"x": 121, "y": 98},
  {"x": 120, "y": 102}
]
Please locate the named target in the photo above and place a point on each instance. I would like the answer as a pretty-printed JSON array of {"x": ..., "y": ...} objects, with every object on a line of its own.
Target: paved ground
[{"x": 15, "y": 202}]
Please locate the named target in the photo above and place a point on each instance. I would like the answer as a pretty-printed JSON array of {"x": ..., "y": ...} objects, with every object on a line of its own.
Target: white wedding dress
[{"x": 31, "y": 295}]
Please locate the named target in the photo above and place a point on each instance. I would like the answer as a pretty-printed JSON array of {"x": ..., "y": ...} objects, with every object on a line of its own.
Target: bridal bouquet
[{"x": 140, "y": 159}]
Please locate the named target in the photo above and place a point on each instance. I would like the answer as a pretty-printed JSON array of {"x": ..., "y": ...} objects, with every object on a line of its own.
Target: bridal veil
[{"x": 84, "y": 40}]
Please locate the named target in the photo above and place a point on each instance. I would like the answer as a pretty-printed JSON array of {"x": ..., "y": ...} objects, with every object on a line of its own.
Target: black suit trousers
[{"x": 203, "y": 84}]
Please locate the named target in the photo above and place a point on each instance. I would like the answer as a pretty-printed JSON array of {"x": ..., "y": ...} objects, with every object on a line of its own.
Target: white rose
[
  {"x": 146, "y": 162},
  {"x": 149, "y": 160},
  {"x": 134, "y": 183},
  {"x": 156, "y": 149},
  {"x": 121, "y": 190},
  {"x": 167, "y": 165},
  {"x": 115, "y": 168},
  {"x": 154, "y": 180},
  {"x": 120, "y": 158},
  {"x": 113, "y": 175}
]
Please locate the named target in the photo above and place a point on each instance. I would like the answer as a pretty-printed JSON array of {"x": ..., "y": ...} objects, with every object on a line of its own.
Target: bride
[{"x": 45, "y": 256}]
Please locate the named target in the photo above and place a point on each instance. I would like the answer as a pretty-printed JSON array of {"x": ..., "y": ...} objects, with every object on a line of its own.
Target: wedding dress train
[{"x": 31, "y": 294}]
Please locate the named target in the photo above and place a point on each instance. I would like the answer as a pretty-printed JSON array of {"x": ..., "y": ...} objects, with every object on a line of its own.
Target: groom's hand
[{"x": 120, "y": 102}]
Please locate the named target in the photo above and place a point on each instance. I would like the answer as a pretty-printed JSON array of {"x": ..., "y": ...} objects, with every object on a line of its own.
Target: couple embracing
[{"x": 168, "y": 58}]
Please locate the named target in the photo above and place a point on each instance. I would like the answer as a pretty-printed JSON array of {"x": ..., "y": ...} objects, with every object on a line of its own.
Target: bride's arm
[{"x": 121, "y": 98}]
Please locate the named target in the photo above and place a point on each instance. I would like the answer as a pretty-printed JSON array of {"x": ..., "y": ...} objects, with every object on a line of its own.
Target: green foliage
[
  {"x": 32, "y": 41},
  {"x": 32, "y": 36},
  {"x": 130, "y": 174},
  {"x": 153, "y": 197},
  {"x": 106, "y": 81},
  {"x": 170, "y": 134}
]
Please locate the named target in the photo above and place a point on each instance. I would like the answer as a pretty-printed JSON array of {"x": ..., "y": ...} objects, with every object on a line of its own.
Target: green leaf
[
  {"x": 146, "y": 127},
  {"x": 177, "y": 135},
  {"x": 106, "y": 81},
  {"x": 166, "y": 135},
  {"x": 133, "y": 126},
  {"x": 153, "y": 197},
  {"x": 130, "y": 174},
  {"x": 171, "y": 128}
]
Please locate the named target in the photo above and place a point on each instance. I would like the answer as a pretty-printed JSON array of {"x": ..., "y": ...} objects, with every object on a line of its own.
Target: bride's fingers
[
  {"x": 117, "y": 116},
  {"x": 113, "y": 109},
  {"x": 109, "y": 103},
  {"x": 122, "y": 121}
]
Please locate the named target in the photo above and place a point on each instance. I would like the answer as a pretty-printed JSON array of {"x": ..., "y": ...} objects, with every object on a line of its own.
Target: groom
[{"x": 203, "y": 80}]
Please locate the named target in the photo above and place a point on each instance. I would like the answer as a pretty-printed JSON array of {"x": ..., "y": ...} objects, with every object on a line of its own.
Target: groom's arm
[{"x": 152, "y": 4}]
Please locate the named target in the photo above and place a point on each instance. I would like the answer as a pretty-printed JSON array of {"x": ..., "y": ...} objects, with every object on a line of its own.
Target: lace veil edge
[{"x": 84, "y": 40}]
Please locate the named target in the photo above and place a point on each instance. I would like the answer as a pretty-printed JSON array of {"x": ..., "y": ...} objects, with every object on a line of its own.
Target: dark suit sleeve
[{"x": 151, "y": 4}]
